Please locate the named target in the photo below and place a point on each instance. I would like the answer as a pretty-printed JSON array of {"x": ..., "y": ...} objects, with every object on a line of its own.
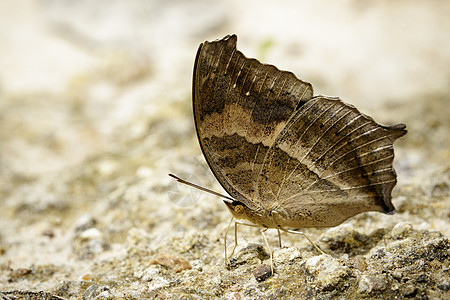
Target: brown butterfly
[{"x": 287, "y": 158}]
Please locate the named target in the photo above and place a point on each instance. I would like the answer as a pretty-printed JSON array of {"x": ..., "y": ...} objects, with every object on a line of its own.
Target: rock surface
[{"x": 95, "y": 110}]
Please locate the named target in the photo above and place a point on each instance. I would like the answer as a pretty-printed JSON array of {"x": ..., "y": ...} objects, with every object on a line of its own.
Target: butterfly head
[
  {"x": 242, "y": 212},
  {"x": 238, "y": 209}
]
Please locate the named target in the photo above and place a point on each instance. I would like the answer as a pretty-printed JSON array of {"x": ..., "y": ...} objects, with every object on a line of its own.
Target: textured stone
[{"x": 326, "y": 270}]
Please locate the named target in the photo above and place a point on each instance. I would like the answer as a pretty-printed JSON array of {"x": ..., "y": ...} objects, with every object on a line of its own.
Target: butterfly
[{"x": 287, "y": 158}]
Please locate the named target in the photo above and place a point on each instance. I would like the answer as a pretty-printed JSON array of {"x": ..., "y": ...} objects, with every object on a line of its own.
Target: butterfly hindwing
[{"x": 329, "y": 162}]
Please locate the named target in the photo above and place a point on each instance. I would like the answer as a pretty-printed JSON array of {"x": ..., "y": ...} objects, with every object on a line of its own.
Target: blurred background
[
  {"x": 95, "y": 108},
  {"x": 73, "y": 72}
]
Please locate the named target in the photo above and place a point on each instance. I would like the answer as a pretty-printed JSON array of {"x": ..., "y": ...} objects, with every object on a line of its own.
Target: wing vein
[
  {"x": 337, "y": 189},
  {"x": 357, "y": 167}
]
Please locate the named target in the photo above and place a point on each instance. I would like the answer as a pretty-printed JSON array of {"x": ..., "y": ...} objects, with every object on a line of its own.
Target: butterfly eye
[{"x": 239, "y": 208}]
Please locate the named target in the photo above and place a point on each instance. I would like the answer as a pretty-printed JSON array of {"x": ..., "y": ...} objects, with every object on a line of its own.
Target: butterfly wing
[
  {"x": 330, "y": 162},
  {"x": 240, "y": 107}
]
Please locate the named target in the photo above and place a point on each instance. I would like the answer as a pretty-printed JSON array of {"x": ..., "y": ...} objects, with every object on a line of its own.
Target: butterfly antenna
[{"x": 228, "y": 199}]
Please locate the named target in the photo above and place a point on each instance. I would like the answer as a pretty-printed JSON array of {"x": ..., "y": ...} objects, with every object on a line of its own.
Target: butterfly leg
[
  {"x": 301, "y": 233},
  {"x": 268, "y": 248},
  {"x": 235, "y": 234},
  {"x": 225, "y": 240},
  {"x": 236, "y": 223},
  {"x": 235, "y": 237},
  {"x": 279, "y": 237}
]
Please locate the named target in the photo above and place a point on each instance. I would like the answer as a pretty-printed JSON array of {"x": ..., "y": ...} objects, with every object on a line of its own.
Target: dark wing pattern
[
  {"x": 240, "y": 107},
  {"x": 329, "y": 163}
]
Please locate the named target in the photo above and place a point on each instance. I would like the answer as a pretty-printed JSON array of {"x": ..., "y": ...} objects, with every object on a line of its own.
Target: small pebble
[
  {"x": 369, "y": 283},
  {"x": 444, "y": 286},
  {"x": 84, "y": 222},
  {"x": 177, "y": 264},
  {"x": 262, "y": 272},
  {"x": 327, "y": 271},
  {"x": 401, "y": 230},
  {"x": 95, "y": 292},
  {"x": 285, "y": 255}
]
